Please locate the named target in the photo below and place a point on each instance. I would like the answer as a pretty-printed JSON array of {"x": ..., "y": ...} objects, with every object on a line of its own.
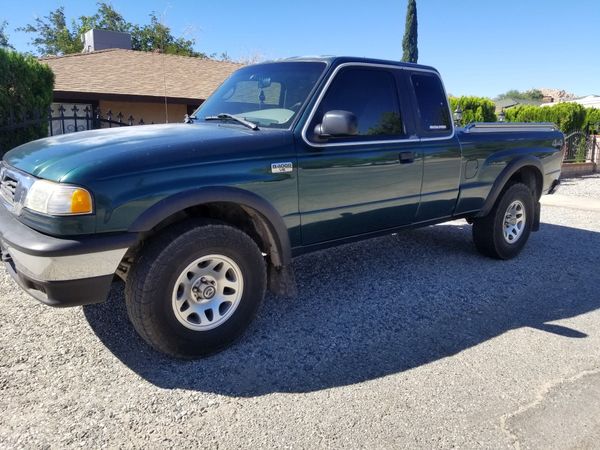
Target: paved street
[{"x": 406, "y": 341}]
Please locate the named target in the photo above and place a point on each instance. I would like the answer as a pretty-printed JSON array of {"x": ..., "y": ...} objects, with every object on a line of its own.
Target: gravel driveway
[
  {"x": 413, "y": 340},
  {"x": 587, "y": 186}
]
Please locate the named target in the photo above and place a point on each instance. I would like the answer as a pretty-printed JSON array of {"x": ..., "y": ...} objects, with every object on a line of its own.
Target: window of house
[{"x": 432, "y": 105}]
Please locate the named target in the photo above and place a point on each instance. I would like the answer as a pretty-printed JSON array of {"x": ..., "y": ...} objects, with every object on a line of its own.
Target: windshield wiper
[{"x": 227, "y": 116}]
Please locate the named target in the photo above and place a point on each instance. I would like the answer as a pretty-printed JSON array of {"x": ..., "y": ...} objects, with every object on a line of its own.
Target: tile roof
[{"x": 130, "y": 72}]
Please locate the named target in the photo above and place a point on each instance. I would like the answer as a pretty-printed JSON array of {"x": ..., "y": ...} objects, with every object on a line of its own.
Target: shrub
[
  {"x": 568, "y": 117},
  {"x": 592, "y": 119},
  {"x": 25, "y": 89},
  {"x": 475, "y": 109}
]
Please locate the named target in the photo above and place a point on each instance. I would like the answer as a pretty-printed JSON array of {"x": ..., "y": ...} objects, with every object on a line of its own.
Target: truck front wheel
[
  {"x": 502, "y": 234},
  {"x": 195, "y": 288}
]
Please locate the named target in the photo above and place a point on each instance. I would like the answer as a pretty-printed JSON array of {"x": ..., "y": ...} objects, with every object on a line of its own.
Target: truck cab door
[
  {"x": 364, "y": 181},
  {"x": 438, "y": 143}
]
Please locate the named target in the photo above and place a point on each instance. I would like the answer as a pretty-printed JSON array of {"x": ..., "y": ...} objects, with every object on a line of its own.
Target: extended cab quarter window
[
  {"x": 432, "y": 105},
  {"x": 372, "y": 96}
]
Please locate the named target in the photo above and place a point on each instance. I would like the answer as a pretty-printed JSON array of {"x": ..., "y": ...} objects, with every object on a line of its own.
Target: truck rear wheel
[
  {"x": 195, "y": 288},
  {"x": 502, "y": 234}
]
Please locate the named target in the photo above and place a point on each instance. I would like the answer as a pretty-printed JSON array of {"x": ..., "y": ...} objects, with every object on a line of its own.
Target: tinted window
[
  {"x": 432, "y": 105},
  {"x": 371, "y": 95}
]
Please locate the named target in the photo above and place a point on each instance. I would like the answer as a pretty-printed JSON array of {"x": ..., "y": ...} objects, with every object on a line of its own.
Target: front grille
[{"x": 8, "y": 188}]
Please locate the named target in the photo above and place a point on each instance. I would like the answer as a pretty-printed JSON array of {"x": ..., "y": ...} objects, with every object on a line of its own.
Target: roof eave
[{"x": 97, "y": 96}]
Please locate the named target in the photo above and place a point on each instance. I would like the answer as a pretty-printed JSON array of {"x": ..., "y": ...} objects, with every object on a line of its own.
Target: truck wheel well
[
  {"x": 247, "y": 219},
  {"x": 280, "y": 274},
  {"x": 530, "y": 176},
  {"x": 244, "y": 218}
]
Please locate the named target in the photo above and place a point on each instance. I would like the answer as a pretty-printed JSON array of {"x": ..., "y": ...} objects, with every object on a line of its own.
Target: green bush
[
  {"x": 475, "y": 109},
  {"x": 25, "y": 89},
  {"x": 568, "y": 117},
  {"x": 592, "y": 119}
]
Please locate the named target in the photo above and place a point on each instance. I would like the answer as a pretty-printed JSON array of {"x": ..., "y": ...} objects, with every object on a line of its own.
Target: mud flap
[
  {"x": 282, "y": 281},
  {"x": 536, "y": 216}
]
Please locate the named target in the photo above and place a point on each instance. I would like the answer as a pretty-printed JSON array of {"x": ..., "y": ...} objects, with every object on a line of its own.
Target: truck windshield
[{"x": 269, "y": 95}]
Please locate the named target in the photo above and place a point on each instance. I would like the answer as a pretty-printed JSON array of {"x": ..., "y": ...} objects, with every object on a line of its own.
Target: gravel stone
[
  {"x": 411, "y": 340},
  {"x": 587, "y": 186}
]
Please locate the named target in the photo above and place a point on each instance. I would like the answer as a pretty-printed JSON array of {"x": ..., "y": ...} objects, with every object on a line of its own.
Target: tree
[
  {"x": 532, "y": 94},
  {"x": 52, "y": 35},
  {"x": 107, "y": 18},
  {"x": 409, "y": 43},
  {"x": 3, "y": 36},
  {"x": 157, "y": 36}
]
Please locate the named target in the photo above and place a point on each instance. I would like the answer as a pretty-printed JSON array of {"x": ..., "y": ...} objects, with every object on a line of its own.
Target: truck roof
[{"x": 336, "y": 60}]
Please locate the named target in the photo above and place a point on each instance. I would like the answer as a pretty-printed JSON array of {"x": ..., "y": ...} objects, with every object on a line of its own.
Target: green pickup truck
[{"x": 286, "y": 157}]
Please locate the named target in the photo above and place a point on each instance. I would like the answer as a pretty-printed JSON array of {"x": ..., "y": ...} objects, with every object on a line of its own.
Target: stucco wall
[{"x": 150, "y": 112}]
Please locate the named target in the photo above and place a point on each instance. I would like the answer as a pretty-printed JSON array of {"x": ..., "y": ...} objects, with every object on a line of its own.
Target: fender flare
[
  {"x": 511, "y": 168},
  {"x": 222, "y": 194}
]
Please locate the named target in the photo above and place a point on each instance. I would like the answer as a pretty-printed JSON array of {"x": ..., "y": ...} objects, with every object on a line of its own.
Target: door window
[{"x": 371, "y": 95}]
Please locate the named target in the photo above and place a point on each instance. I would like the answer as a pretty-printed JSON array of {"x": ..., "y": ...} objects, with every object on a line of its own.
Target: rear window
[{"x": 432, "y": 105}]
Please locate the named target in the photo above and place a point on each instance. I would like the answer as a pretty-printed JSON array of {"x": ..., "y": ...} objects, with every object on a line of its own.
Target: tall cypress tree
[{"x": 409, "y": 43}]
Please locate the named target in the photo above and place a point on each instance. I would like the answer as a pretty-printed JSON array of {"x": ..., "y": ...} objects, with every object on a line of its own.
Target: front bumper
[{"x": 58, "y": 271}]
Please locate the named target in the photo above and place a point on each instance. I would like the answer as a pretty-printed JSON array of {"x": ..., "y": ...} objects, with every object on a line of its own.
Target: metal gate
[{"x": 579, "y": 147}]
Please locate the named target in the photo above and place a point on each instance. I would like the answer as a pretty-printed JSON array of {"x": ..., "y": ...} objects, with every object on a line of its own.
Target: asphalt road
[{"x": 410, "y": 341}]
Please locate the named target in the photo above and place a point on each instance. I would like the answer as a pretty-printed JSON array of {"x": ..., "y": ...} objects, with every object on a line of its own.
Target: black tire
[
  {"x": 150, "y": 285},
  {"x": 488, "y": 231}
]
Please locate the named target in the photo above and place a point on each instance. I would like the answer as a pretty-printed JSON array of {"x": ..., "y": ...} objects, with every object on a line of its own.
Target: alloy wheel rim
[
  {"x": 514, "y": 222},
  {"x": 207, "y": 292}
]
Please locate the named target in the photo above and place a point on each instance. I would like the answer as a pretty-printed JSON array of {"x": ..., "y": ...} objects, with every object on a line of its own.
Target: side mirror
[{"x": 337, "y": 124}]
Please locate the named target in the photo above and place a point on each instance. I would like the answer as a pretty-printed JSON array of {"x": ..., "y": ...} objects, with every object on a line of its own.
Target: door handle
[{"x": 407, "y": 157}]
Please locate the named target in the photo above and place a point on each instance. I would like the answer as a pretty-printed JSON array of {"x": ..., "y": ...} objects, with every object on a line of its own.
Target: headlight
[{"x": 57, "y": 199}]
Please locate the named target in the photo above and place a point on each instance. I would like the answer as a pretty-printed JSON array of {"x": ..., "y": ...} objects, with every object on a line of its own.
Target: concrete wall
[{"x": 150, "y": 112}]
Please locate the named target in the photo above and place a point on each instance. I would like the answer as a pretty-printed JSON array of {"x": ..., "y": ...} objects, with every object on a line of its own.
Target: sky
[{"x": 481, "y": 47}]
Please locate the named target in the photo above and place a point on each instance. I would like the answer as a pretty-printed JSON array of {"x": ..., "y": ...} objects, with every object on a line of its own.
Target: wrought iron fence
[
  {"x": 579, "y": 147},
  {"x": 61, "y": 123}
]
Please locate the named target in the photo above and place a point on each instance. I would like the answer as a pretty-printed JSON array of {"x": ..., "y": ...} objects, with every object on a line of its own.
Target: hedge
[
  {"x": 568, "y": 116},
  {"x": 592, "y": 119},
  {"x": 25, "y": 88},
  {"x": 475, "y": 109}
]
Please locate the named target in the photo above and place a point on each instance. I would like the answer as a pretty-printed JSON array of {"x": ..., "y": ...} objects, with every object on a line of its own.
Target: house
[
  {"x": 506, "y": 103},
  {"x": 590, "y": 101},
  {"x": 148, "y": 86}
]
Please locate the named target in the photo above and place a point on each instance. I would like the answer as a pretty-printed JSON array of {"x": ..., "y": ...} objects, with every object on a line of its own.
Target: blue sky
[{"x": 481, "y": 47}]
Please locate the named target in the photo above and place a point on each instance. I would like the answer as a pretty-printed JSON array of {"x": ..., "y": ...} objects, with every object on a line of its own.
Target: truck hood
[{"x": 110, "y": 152}]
